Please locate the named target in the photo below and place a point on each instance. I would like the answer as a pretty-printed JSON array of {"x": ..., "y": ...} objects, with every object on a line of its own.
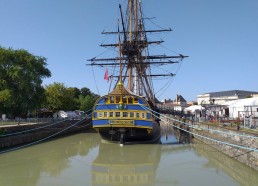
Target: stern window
[
  {"x": 137, "y": 115},
  {"x": 135, "y": 100},
  {"x": 117, "y": 114},
  {"x": 112, "y": 99},
  {"x": 117, "y": 99},
  {"x": 111, "y": 114},
  {"x": 131, "y": 115},
  {"x": 143, "y": 115},
  {"x": 124, "y": 99},
  {"x": 125, "y": 114},
  {"x": 130, "y": 99}
]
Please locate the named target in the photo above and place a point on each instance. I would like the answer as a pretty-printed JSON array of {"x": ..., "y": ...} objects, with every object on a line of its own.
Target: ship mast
[{"x": 133, "y": 53}]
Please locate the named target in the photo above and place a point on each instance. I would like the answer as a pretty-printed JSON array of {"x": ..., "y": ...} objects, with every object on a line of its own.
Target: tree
[
  {"x": 21, "y": 76},
  {"x": 59, "y": 97},
  {"x": 71, "y": 99},
  {"x": 85, "y": 91},
  {"x": 87, "y": 102},
  {"x": 77, "y": 92}
]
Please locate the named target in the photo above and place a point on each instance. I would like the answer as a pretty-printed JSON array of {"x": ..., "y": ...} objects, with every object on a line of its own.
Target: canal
[{"x": 83, "y": 160}]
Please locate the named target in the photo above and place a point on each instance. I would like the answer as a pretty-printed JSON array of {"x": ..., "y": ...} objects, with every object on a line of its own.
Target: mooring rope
[
  {"x": 25, "y": 131},
  {"x": 194, "y": 127},
  {"x": 38, "y": 141},
  {"x": 211, "y": 139}
]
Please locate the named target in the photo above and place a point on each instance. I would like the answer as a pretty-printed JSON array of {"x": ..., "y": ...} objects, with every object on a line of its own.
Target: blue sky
[{"x": 220, "y": 36}]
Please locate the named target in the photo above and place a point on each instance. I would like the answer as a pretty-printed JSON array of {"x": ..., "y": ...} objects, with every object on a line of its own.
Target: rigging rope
[
  {"x": 95, "y": 80},
  {"x": 165, "y": 87}
]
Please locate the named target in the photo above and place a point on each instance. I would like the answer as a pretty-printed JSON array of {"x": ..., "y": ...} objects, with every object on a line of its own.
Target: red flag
[{"x": 106, "y": 75}]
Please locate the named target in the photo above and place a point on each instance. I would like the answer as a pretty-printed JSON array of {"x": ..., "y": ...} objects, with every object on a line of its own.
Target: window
[
  {"x": 135, "y": 100},
  {"x": 143, "y": 115},
  {"x": 130, "y": 99},
  {"x": 100, "y": 114},
  {"x": 124, "y": 99},
  {"x": 131, "y": 114},
  {"x": 125, "y": 114},
  {"x": 117, "y": 114},
  {"x": 112, "y": 99},
  {"x": 105, "y": 114},
  {"x": 111, "y": 114},
  {"x": 117, "y": 99},
  {"x": 137, "y": 115}
]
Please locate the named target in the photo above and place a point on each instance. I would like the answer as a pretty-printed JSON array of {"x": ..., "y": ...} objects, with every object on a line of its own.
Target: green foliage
[
  {"x": 87, "y": 102},
  {"x": 21, "y": 75},
  {"x": 77, "y": 92},
  {"x": 4, "y": 95},
  {"x": 85, "y": 91},
  {"x": 21, "y": 90},
  {"x": 60, "y": 97}
]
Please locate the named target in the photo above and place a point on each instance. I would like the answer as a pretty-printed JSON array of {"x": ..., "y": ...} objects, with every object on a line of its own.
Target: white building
[
  {"x": 219, "y": 98},
  {"x": 243, "y": 108}
]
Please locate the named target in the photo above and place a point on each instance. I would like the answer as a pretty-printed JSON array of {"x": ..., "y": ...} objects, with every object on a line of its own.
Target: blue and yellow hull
[{"x": 127, "y": 121}]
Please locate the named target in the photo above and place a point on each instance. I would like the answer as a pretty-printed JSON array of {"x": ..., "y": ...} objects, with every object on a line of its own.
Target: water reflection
[
  {"x": 241, "y": 173},
  {"x": 172, "y": 135},
  {"x": 128, "y": 165},
  {"x": 26, "y": 166},
  {"x": 84, "y": 160}
]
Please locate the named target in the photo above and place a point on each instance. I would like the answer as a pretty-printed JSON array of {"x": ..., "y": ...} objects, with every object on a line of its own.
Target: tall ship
[{"x": 123, "y": 115}]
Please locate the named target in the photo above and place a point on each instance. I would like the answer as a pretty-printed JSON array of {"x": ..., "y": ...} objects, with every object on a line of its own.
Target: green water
[{"x": 85, "y": 160}]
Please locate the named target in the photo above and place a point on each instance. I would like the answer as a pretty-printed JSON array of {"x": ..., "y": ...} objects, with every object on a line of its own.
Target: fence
[{"x": 20, "y": 121}]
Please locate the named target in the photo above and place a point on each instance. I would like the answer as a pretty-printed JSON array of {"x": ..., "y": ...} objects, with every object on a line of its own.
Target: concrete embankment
[
  {"x": 235, "y": 143},
  {"x": 228, "y": 136},
  {"x": 26, "y": 134}
]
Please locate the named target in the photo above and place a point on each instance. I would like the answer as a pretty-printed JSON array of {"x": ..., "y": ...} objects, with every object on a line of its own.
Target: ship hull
[
  {"x": 130, "y": 135},
  {"x": 125, "y": 118}
]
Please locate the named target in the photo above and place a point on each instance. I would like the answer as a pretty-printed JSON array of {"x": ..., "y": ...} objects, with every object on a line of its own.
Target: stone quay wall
[
  {"x": 40, "y": 134},
  {"x": 230, "y": 136},
  {"x": 222, "y": 137}
]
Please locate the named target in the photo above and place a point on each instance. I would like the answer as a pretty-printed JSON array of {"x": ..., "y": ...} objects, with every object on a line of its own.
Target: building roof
[
  {"x": 231, "y": 93},
  {"x": 179, "y": 98}
]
